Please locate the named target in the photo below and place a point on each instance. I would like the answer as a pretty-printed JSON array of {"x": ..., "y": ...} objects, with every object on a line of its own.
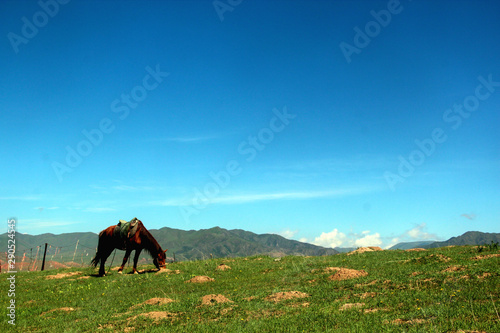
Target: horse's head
[{"x": 159, "y": 261}]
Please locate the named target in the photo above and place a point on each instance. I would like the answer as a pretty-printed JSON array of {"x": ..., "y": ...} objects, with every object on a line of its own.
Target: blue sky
[{"x": 340, "y": 123}]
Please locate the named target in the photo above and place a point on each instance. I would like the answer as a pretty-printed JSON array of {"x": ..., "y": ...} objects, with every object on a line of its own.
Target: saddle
[{"x": 125, "y": 229}]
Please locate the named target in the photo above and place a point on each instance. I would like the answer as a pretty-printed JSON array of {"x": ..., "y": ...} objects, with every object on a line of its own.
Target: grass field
[{"x": 454, "y": 289}]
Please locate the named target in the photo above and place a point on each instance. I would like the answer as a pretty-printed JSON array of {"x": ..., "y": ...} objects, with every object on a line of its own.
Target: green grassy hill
[{"x": 438, "y": 290}]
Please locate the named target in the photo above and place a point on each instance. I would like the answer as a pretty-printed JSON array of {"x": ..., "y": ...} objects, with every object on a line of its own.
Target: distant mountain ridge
[
  {"x": 219, "y": 242},
  {"x": 345, "y": 249},
  {"x": 410, "y": 245},
  {"x": 187, "y": 245},
  {"x": 214, "y": 242},
  {"x": 468, "y": 238}
]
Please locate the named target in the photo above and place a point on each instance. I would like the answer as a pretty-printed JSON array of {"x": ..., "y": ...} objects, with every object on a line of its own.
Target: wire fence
[
  {"x": 32, "y": 259},
  {"x": 49, "y": 256}
]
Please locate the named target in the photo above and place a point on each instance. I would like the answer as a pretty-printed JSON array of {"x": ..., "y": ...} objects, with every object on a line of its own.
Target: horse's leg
[
  {"x": 125, "y": 259},
  {"x": 105, "y": 255},
  {"x": 136, "y": 258}
]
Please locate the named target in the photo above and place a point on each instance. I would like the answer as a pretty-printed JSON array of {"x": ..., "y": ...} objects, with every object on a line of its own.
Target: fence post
[
  {"x": 36, "y": 258},
  {"x": 44, "y": 253},
  {"x": 74, "y": 254}
]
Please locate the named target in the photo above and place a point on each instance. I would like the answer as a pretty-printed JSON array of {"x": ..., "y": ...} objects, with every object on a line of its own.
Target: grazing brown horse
[{"x": 109, "y": 239}]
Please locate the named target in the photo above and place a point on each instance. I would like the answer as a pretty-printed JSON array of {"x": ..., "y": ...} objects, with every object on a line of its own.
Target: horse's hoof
[
  {"x": 120, "y": 272},
  {"x": 135, "y": 272}
]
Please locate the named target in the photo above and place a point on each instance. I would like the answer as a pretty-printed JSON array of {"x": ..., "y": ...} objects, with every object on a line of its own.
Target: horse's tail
[{"x": 95, "y": 260}]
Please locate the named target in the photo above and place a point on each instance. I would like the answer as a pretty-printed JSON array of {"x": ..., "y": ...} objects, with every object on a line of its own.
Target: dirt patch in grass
[
  {"x": 332, "y": 269},
  {"x": 408, "y": 322},
  {"x": 304, "y": 305},
  {"x": 347, "y": 273},
  {"x": 149, "y": 270},
  {"x": 154, "y": 301},
  {"x": 223, "y": 267},
  {"x": 214, "y": 299},
  {"x": 430, "y": 258},
  {"x": 55, "y": 264},
  {"x": 361, "y": 285},
  {"x": 200, "y": 279},
  {"x": 105, "y": 326},
  {"x": 454, "y": 268},
  {"x": 367, "y": 294},
  {"x": 365, "y": 249},
  {"x": 370, "y": 310},
  {"x": 418, "y": 249},
  {"x": 64, "y": 309},
  {"x": 349, "y": 306},
  {"x": 486, "y": 256},
  {"x": 375, "y": 310},
  {"x": 157, "y": 315},
  {"x": 282, "y": 296},
  {"x": 485, "y": 275},
  {"x": 62, "y": 275},
  {"x": 168, "y": 271}
]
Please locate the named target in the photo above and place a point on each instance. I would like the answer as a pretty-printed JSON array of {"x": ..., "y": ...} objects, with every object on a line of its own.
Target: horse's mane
[{"x": 151, "y": 246}]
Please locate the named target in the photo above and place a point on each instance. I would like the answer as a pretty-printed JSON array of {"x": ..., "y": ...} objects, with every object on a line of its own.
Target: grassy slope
[{"x": 404, "y": 291}]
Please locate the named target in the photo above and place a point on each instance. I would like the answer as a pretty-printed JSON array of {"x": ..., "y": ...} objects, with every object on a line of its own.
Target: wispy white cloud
[
  {"x": 132, "y": 188},
  {"x": 358, "y": 163},
  {"x": 420, "y": 233},
  {"x": 335, "y": 238},
  {"x": 119, "y": 186},
  {"x": 99, "y": 209},
  {"x": 469, "y": 216},
  {"x": 332, "y": 239},
  {"x": 32, "y": 226},
  {"x": 184, "y": 139},
  {"x": 368, "y": 240},
  {"x": 287, "y": 233},
  {"x": 21, "y": 198},
  {"x": 248, "y": 198},
  {"x": 417, "y": 233},
  {"x": 256, "y": 197},
  {"x": 45, "y": 208}
]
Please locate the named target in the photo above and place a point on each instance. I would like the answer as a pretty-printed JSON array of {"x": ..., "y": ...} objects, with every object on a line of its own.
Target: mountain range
[
  {"x": 411, "y": 245},
  {"x": 184, "y": 245},
  {"x": 468, "y": 238},
  {"x": 206, "y": 243}
]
